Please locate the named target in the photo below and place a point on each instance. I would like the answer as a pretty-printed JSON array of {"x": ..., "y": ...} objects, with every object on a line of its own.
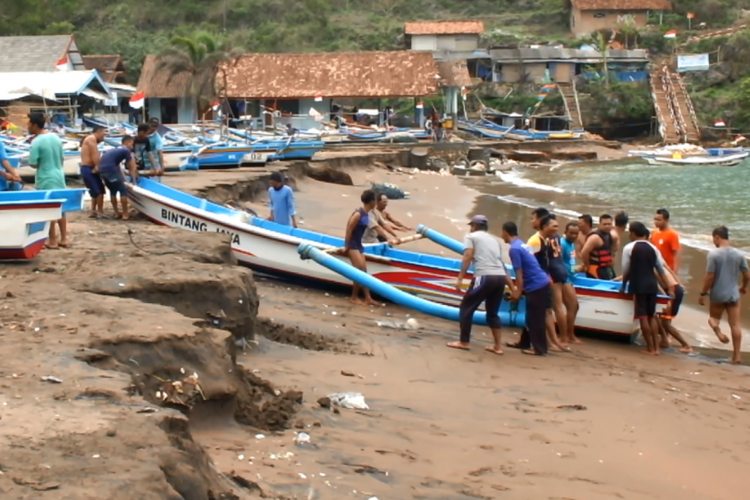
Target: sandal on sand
[
  {"x": 48, "y": 247},
  {"x": 531, "y": 352},
  {"x": 493, "y": 350},
  {"x": 513, "y": 345}
]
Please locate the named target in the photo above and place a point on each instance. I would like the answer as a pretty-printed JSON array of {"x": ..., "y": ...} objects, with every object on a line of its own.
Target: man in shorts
[
  {"x": 46, "y": 156},
  {"x": 640, "y": 266},
  {"x": 113, "y": 177},
  {"x": 157, "y": 148},
  {"x": 90, "y": 169},
  {"x": 143, "y": 151},
  {"x": 725, "y": 266}
]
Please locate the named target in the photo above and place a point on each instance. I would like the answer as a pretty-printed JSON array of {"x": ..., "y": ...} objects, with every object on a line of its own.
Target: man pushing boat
[
  {"x": 485, "y": 252},
  {"x": 355, "y": 250}
]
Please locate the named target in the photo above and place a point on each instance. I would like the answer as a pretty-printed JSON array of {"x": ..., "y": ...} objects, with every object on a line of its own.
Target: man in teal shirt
[
  {"x": 46, "y": 157},
  {"x": 157, "y": 147}
]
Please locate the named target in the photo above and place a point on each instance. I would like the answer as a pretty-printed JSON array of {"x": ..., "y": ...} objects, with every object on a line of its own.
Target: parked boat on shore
[{"x": 272, "y": 249}]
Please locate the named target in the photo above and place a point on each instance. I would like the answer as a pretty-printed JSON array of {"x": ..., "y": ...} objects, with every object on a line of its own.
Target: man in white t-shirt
[{"x": 488, "y": 284}]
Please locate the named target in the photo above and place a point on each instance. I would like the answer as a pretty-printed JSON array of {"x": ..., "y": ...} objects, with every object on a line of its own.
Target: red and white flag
[
  {"x": 670, "y": 34},
  {"x": 62, "y": 63},
  {"x": 318, "y": 98},
  {"x": 420, "y": 105},
  {"x": 138, "y": 100},
  {"x": 216, "y": 105},
  {"x": 719, "y": 123}
]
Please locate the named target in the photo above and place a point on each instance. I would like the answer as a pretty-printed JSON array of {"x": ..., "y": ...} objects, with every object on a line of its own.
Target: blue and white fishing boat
[{"x": 272, "y": 249}]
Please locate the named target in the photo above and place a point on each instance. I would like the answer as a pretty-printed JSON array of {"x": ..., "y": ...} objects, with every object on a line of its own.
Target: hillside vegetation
[{"x": 135, "y": 29}]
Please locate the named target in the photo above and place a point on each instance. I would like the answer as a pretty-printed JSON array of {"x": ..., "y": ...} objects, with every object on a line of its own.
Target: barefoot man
[
  {"x": 640, "y": 265},
  {"x": 90, "y": 169},
  {"x": 725, "y": 265},
  {"x": 355, "y": 250},
  {"x": 570, "y": 297},
  {"x": 488, "y": 284},
  {"x": 111, "y": 172},
  {"x": 46, "y": 156}
]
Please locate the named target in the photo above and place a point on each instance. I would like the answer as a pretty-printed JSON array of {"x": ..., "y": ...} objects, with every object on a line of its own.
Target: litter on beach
[{"x": 351, "y": 400}]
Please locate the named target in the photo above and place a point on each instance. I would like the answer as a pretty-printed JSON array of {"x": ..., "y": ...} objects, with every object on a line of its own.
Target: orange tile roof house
[
  {"x": 437, "y": 36},
  {"x": 588, "y": 16}
]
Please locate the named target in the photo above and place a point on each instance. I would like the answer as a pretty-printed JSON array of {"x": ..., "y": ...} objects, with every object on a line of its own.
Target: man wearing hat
[
  {"x": 281, "y": 202},
  {"x": 485, "y": 252}
]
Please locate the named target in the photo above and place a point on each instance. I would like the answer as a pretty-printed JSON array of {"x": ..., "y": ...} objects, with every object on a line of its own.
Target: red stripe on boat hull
[{"x": 25, "y": 253}]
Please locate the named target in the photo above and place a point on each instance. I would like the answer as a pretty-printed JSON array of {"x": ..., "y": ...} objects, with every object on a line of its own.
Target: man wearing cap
[
  {"x": 281, "y": 202},
  {"x": 485, "y": 252},
  {"x": 90, "y": 169},
  {"x": 157, "y": 146}
]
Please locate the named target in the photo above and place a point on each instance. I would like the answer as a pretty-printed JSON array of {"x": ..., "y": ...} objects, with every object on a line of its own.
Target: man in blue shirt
[
  {"x": 9, "y": 178},
  {"x": 111, "y": 173},
  {"x": 157, "y": 146},
  {"x": 281, "y": 202},
  {"x": 535, "y": 283}
]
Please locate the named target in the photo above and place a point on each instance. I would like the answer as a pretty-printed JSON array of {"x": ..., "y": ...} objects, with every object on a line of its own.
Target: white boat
[
  {"x": 271, "y": 248},
  {"x": 24, "y": 226},
  {"x": 731, "y": 160}
]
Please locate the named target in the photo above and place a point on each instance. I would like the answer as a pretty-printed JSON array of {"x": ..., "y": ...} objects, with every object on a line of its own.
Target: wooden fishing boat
[{"x": 271, "y": 249}]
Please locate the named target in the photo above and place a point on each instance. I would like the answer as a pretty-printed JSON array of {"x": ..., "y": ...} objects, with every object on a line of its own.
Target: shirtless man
[
  {"x": 90, "y": 170},
  {"x": 387, "y": 217},
  {"x": 597, "y": 253},
  {"x": 618, "y": 233},
  {"x": 585, "y": 226},
  {"x": 386, "y": 230}
]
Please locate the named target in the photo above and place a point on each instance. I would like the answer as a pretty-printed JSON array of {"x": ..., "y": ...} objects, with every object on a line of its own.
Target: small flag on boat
[
  {"x": 318, "y": 98},
  {"x": 62, "y": 63},
  {"x": 670, "y": 34},
  {"x": 719, "y": 123},
  {"x": 740, "y": 138},
  {"x": 420, "y": 105},
  {"x": 138, "y": 100},
  {"x": 216, "y": 105},
  {"x": 691, "y": 15}
]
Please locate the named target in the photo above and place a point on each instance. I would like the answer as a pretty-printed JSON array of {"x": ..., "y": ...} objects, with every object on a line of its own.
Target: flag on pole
[
  {"x": 62, "y": 63},
  {"x": 670, "y": 34},
  {"x": 216, "y": 105},
  {"x": 420, "y": 105},
  {"x": 138, "y": 100},
  {"x": 318, "y": 98},
  {"x": 719, "y": 123},
  {"x": 691, "y": 15}
]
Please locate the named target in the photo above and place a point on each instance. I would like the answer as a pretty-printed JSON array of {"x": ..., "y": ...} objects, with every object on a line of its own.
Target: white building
[{"x": 443, "y": 36}]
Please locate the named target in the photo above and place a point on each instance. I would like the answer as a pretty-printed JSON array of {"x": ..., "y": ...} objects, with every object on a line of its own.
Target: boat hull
[
  {"x": 271, "y": 249},
  {"x": 703, "y": 161},
  {"x": 24, "y": 227}
]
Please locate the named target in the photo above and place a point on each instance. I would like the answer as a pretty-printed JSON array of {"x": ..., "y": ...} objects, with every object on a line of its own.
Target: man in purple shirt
[{"x": 113, "y": 177}]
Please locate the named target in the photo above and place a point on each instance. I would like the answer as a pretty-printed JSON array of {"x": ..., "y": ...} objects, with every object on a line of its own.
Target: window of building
[{"x": 600, "y": 15}]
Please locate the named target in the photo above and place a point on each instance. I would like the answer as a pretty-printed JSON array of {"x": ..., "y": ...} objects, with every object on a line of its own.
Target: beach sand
[{"x": 601, "y": 422}]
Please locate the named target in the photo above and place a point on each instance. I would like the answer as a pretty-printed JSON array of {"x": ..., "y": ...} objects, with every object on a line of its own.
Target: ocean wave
[{"x": 517, "y": 179}]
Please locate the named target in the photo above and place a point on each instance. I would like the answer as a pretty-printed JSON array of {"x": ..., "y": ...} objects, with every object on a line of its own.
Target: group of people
[
  {"x": 142, "y": 154},
  {"x": 546, "y": 266}
]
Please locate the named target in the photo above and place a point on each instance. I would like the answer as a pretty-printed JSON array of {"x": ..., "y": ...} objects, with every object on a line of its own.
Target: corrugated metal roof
[
  {"x": 336, "y": 74},
  {"x": 155, "y": 82},
  {"x": 622, "y": 4},
  {"x": 37, "y": 53},
  {"x": 542, "y": 54},
  {"x": 51, "y": 83},
  {"x": 468, "y": 27}
]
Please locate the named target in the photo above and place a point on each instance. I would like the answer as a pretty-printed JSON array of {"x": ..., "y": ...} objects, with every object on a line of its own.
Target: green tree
[
  {"x": 200, "y": 56},
  {"x": 601, "y": 43}
]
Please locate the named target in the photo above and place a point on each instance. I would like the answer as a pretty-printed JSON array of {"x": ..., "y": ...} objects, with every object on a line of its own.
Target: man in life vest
[{"x": 597, "y": 253}]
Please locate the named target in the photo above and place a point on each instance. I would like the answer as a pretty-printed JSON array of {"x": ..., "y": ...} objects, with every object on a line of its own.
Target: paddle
[{"x": 393, "y": 243}]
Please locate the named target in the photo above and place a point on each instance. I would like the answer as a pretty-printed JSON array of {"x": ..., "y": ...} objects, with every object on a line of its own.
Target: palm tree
[
  {"x": 631, "y": 32},
  {"x": 601, "y": 44},
  {"x": 200, "y": 56}
]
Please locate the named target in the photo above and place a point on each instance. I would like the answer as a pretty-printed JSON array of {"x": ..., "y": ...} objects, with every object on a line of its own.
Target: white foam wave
[{"x": 517, "y": 179}]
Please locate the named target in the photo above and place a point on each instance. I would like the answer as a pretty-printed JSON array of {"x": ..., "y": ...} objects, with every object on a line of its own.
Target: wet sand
[{"x": 601, "y": 422}]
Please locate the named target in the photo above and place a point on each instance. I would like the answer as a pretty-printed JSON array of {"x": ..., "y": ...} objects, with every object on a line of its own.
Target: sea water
[{"x": 698, "y": 198}]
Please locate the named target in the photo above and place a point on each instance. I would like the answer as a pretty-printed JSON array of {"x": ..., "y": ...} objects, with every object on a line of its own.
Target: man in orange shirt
[{"x": 667, "y": 241}]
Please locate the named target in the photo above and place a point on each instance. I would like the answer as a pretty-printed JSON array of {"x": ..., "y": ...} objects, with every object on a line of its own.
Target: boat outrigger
[{"x": 272, "y": 249}]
